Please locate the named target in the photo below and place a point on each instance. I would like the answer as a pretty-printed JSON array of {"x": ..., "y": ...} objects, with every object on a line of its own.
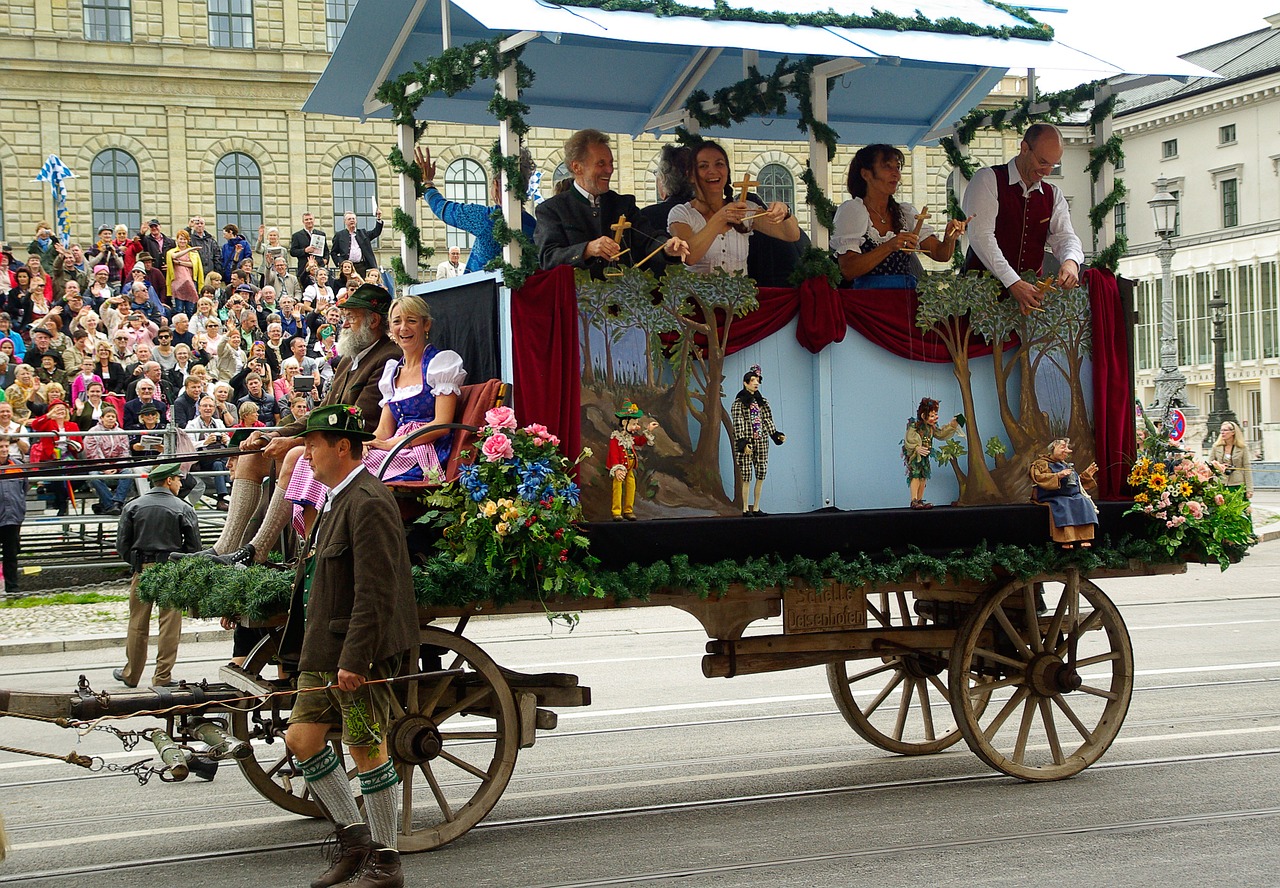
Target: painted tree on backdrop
[{"x": 957, "y": 309}]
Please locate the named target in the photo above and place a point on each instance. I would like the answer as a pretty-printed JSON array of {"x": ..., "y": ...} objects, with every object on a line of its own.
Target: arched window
[
  {"x": 355, "y": 185},
  {"x": 464, "y": 182},
  {"x": 237, "y": 193},
  {"x": 115, "y": 189},
  {"x": 776, "y": 184}
]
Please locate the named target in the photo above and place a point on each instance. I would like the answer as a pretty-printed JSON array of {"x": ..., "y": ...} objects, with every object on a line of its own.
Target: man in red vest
[{"x": 1017, "y": 215}]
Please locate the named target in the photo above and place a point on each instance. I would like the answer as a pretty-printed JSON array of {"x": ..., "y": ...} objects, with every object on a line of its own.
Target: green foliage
[
  {"x": 824, "y": 209},
  {"x": 815, "y": 263},
  {"x": 684, "y": 291},
  {"x": 995, "y": 448},
  {"x": 60, "y": 598},
  {"x": 513, "y": 276},
  {"x": 942, "y": 295},
  {"x": 446, "y": 583},
  {"x": 951, "y": 449},
  {"x": 877, "y": 19}
]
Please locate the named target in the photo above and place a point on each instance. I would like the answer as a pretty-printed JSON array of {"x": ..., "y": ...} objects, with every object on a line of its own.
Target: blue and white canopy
[{"x": 631, "y": 72}]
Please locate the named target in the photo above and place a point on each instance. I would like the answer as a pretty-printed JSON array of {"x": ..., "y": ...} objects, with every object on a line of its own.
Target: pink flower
[
  {"x": 501, "y": 418},
  {"x": 536, "y": 428},
  {"x": 497, "y": 446},
  {"x": 1219, "y": 499}
]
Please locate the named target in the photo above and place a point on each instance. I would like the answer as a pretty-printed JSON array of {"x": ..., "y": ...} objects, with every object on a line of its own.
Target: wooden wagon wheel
[
  {"x": 898, "y": 702},
  {"x": 454, "y": 743},
  {"x": 1054, "y": 658},
  {"x": 272, "y": 770}
]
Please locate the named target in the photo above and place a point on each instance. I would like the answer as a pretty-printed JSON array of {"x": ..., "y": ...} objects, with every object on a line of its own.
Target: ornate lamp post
[
  {"x": 1171, "y": 385},
  {"x": 1221, "y": 411}
]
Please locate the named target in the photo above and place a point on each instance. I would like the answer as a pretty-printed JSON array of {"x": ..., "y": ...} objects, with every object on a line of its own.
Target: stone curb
[{"x": 21, "y": 647}]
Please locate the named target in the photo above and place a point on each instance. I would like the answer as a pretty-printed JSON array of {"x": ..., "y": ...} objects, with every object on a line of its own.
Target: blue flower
[
  {"x": 469, "y": 476},
  {"x": 529, "y": 489},
  {"x": 572, "y": 494},
  {"x": 479, "y": 493}
]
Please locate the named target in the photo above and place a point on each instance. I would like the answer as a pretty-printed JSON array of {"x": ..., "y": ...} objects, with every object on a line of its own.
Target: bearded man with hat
[
  {"x": 364, "y": 350},
  {"x": 353, "y": 622},
  {"x": 152, "y": 527},
  {"x": 622, "y": 457}
]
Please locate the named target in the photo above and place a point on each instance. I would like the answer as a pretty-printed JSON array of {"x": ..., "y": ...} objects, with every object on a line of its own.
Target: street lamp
[
  {"x": 1171, "y": 385},
  {"x": 1221, "y": 411}
]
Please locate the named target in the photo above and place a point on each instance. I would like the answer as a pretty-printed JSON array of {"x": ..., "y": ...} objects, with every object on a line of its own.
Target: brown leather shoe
[
  {"x": 354, "y": 844},
  {"x": 381, "y": 870}
]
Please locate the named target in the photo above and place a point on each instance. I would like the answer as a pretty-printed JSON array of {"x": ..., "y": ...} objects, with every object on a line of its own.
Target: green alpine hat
[
  {"x": 369, "y": 297},
  {"x": 163, "y": 472},
  {"x": 342, "y": 418},
  {"x": 629, "y": 410}
]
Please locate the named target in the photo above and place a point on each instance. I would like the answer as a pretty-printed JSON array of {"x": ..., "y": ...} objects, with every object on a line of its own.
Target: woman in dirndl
[{"x": 420, "y": 390}]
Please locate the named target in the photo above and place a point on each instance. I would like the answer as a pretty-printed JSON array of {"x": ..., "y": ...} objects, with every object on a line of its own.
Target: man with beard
[{"x": 364, "y": 350}]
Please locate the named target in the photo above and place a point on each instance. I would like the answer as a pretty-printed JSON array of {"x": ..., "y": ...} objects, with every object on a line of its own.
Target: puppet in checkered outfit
[
  {"x": 752, "y": 430},
  {"x": 622, "y": 457}
]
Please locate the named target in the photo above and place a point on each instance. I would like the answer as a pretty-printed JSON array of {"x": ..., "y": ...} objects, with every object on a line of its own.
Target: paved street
[{"x": 670, "y": 778}]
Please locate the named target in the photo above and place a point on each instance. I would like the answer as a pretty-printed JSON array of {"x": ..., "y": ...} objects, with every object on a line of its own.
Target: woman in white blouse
[
  {"x": 718, "y": 228},
  {"x": 872, "y": 230},
  {"x": 419, "y": 390}
]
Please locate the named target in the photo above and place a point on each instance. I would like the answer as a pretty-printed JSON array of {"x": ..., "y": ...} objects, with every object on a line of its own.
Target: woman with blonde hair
[
  {"x": 421, "y": 389},
  {"x": 25, "y": 388},
  {"x": 1232, "y": 453}
]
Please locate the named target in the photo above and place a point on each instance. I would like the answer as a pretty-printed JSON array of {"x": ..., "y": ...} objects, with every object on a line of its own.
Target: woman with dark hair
[
  {"x": 18, "y": 302},
  {"x": 872, "y": 230},
  {"x": 717, "y": 227}
]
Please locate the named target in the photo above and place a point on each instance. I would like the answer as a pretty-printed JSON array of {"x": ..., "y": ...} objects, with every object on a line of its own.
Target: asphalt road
[{"x": 670, "y": 778}]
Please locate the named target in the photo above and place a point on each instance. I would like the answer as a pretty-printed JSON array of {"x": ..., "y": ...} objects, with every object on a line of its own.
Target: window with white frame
[
  {"x": 237, "y": 192},
  {"x": 355, "y": 187},
  {"x": 776, "y": 184},
  {"x": 1203, "y": 333},
  {"x": 1169, "y": 148},
  {"x": 115, "y": 189},
  {"x": 108, "y": 21},
  {"x": 1246, "y": 313},
  {"x": 231, "y": 23},
  {"x": 1227, "y": 134},
  {"x": 1120, "y": 217},
  {"x": 1224, "y": 288},
  {"x": 1269, "y": 309},
  {"x": 336, "y": 15},
  {"x": 464, "y": 182}
]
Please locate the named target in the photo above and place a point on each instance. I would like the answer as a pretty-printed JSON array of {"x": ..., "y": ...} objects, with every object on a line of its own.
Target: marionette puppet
[
  {"x": 917, "y": 447},
  {"x": 753, "y": 428},
  {"x": 622, "y": 457},
  {"x": 1073, "y": 517}
]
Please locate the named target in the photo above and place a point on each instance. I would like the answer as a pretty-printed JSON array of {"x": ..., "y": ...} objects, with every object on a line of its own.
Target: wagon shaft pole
[{"x": 85, "y": 704}]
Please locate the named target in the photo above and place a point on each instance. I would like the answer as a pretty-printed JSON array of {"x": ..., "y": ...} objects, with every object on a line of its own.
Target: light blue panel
[
  {"x": 789, "y": 371},
  {"x": 875, "y": 394}
]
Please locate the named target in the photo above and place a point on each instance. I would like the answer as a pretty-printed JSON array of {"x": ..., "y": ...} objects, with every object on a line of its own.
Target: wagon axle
[{"x": 1048, "y": 676}]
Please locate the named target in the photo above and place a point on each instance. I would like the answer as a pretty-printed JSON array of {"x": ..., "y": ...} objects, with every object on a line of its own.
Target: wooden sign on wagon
[{"x": 835, "y": 607}]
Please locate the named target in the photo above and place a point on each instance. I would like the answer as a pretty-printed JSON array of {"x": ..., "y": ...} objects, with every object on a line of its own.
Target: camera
[{"x": 304, "y": 383}]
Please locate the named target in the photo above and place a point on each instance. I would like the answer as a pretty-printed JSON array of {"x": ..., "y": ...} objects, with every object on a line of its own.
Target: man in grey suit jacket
[
  {"x": 577, "y": 226},
  {"x": 353, "y": 620}
]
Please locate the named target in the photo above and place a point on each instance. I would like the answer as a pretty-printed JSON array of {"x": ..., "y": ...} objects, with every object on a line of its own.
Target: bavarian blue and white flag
[
  {"x": 534, "y": 193},
  {"x": 55, "y": 172}
]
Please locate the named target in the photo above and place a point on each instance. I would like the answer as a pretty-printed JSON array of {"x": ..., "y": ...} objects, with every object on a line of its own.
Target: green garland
[
  {"x": 454, "y": 70},
  {"x": 815, "y": 263},
  {"x": 878, "y": 19},
  {"x": 824, "y": 209},
  {"x": 1058, "y": 106},
  {"x": 200, "y": 586}
]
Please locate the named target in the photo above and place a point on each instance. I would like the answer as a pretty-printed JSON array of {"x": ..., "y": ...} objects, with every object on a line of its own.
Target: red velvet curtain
[
  {"x": 548, "y": 371},
  {"x": 1113, "y": 416}
]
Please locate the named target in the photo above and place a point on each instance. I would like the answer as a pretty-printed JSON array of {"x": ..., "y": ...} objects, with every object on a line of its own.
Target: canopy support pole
[
  {"x": 1106, "y": 179},
  {"x": 509, "y": 144},
  {"x": 406, "y": 141},
  {"x": 818, "y": 160}
]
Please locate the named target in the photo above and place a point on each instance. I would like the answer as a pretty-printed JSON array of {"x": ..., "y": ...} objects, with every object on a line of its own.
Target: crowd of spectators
[{"x": 153, "y": 330}]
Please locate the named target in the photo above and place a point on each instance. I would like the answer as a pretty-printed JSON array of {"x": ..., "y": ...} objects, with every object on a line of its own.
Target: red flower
[{"x": 559, "y": 534}]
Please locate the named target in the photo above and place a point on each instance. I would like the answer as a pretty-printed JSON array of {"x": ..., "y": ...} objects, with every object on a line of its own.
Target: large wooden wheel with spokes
[
  {"x": 454, "y": 742},
  {"x": 898, "y": 701},
  {"x": 1051, "y": 663},
  {"x": 272, "y": 769}
]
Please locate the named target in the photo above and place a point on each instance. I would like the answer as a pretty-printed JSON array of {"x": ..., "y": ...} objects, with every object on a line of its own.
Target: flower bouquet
[
  {"x": 514, "y": 511},
  {"x": 1195, "y": 516}
]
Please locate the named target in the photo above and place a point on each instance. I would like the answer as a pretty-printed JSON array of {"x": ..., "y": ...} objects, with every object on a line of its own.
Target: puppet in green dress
[{"x": 917, "y": 447}]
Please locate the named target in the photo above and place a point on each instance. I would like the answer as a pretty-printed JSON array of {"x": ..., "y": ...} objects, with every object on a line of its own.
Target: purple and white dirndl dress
[{"x": 413, "y": 407}]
